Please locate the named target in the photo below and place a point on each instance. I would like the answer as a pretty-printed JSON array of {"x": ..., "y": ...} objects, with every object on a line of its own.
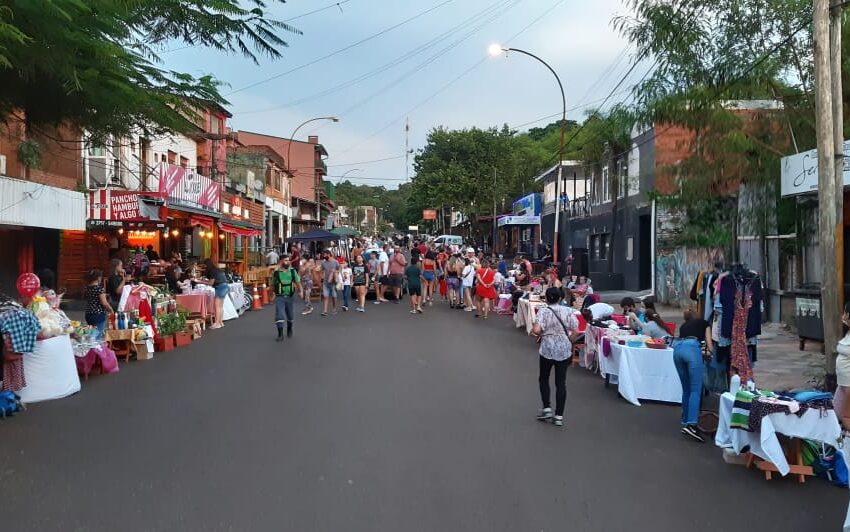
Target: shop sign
[
  {"x": 119, "y": 205},
  {"x": 800, "y": 172},
  {"x": 413, "y": 228},
  {"x": 429, "y": 214},
  {"x": 184, "y": 187},
  {"x": 528, "y": 205},
  {"x": 518, "y": 220}
]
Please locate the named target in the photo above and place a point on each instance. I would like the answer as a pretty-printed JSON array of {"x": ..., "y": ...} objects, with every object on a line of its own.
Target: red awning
[
  {"x": 203, "y": 221},
  {"x": 241, "y": 231}
]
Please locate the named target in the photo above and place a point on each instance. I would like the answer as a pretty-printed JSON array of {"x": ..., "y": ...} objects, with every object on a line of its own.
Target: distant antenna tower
[{"x": 407, "y": 149}]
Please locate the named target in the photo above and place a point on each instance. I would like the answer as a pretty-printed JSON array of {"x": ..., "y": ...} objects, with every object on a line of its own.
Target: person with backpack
[
  {"x": 286, "y": 283},
  {"x": 556, "y": 327}
]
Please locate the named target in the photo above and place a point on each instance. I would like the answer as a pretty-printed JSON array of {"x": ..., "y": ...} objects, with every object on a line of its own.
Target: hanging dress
[{"x": 740, "y": 355}]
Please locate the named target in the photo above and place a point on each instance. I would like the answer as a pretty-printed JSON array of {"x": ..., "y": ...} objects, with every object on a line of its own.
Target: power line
[
  {"x": 452, "y": 82},
  {"x": 368, "y": 162},
  {"x": 386, "y": 66},
  {"x": 343, "y": 49}
]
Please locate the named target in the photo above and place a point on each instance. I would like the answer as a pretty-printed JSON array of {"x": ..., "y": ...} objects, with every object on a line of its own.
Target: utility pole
[
  {"x": 838, "y": 140},
  {"x": 828, "y": 217},
  {"x": 493, "y": 246}
]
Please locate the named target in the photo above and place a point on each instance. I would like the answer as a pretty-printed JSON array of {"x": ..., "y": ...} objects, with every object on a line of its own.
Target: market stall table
[
  {"x": 642, "y": 373},
  {"x": 812, "y": 425},
  {"x": 50, "y": 371},
  {"x": 526, "y": 312},
  {"x": 199, "y": 304}
]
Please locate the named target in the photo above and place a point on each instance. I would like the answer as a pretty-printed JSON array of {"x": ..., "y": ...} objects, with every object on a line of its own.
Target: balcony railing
[{"x": 579, "y": 208}]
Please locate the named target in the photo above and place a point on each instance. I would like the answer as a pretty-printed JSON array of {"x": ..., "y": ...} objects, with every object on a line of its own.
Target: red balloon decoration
[{"x": 28, "y": 285}]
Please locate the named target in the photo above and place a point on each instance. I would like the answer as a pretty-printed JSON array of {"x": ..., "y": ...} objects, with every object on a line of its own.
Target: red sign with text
[
  {"x": 181, "y": 186},
  {"x": 115, "y": 205}
]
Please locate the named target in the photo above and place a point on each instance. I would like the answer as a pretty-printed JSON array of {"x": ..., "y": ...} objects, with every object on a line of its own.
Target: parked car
[{"x": 448, "y": 240}]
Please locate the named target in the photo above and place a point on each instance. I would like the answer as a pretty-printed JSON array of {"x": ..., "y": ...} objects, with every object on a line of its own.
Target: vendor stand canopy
[
  {"x": 345, "y": 231},
  {"x": 315, "y": 235}
]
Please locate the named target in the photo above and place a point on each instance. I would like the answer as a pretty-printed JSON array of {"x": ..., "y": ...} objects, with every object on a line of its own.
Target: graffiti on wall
[{"x": 677, "y": 268}]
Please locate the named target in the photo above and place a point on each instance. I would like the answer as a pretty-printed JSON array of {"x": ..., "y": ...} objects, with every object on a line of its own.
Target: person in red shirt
[
  {"x": 398, "y": 263},
  {"x": 423, "y": 249},
  {"x": 485, "y": 291},
  {"x": 295, "y": 257}
]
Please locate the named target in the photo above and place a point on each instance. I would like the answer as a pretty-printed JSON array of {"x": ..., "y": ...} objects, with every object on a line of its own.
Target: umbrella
[
  {"x": 315, "y": 235},
  {"x": 346, "y": 231}
]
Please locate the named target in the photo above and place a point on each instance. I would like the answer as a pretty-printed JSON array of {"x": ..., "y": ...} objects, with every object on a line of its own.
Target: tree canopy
[{"x": 94, "y": 63}]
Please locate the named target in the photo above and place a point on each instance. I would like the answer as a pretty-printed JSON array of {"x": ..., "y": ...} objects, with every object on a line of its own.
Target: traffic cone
[
  {"x": 256, "y": 304},
  {"x": 264, "y": 292}
]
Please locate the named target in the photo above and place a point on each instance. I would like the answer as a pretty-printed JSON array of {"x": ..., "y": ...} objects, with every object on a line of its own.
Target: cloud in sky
[{"x": 576, "y": 37}]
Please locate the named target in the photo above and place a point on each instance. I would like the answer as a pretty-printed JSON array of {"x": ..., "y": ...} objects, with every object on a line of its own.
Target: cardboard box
[{"x": 143, "y": 350}]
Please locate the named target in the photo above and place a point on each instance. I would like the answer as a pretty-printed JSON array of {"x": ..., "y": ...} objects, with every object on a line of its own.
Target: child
[{"x": 347, "y": 275}]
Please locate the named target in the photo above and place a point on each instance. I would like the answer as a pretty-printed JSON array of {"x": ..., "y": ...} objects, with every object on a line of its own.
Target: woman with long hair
[
  {"x": 360, "y": 281},
  {"x": 218, "y": 280},
  {"x": 556, "y": 326},
  {"x": 97, "y": 305},
  {"x": 654, "y": 326},
  {"x": 429, "y": 273},
  {"x": 467, "y": 280},
  {"x": 485, "y": 289}
]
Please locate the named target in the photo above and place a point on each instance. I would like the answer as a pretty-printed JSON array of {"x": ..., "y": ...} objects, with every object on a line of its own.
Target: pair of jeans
[
  {"x": 97, "y": 320},
  {"x": 687, "y": 355},
  {"x": 560, "y": 383},
  {"x": 283, "y": 310},
  {"x": 346, "y": 295}
]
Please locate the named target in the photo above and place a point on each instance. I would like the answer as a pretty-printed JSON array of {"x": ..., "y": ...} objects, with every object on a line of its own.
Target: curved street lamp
[
  {"x": 289, "y": 165},
  {"x": 496, "y": 49},
  {"x": 346, "y": 173}
]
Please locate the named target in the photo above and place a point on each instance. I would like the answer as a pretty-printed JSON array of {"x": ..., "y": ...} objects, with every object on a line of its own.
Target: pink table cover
[{"x": 195, "y": 303}]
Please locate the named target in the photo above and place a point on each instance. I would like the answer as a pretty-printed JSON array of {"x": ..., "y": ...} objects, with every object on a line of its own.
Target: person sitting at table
[
  {"x": 583, "y": 288},
  {"x": 687, "y": 355},
  {"x": 151, "y": 253},
  {"x": 654, "y": 326},
  {"x": 630, "y": 311}
]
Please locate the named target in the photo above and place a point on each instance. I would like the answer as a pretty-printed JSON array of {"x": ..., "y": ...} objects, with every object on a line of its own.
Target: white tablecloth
[
  {"x": 50, "y": 371},
  {"x": 526, "y": 311},
  {"x": 643, "y": 373},
  {"x": 765, "y": 444}
]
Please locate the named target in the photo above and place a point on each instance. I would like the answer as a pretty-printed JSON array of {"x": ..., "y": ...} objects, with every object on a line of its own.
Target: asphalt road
[{"x": 376, "y": 422}]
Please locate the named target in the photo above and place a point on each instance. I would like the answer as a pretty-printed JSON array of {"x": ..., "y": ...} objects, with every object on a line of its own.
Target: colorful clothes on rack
[
  {"x": 23, "y": 327},
  {"x": 740, "y": 354}
]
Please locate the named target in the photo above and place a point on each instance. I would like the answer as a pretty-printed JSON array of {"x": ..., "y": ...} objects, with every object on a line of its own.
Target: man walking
[
  {"x": 272, "y": 257},
  {"x": 286, "y": 283},
  {"x": 330, "y": 271},
  {"x": 398, "y": 263}
]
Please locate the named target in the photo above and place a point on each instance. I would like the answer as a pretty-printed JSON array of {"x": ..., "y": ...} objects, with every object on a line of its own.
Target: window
[
  {"x": 549, "y": 192},
  {"x": 594, "y": 245},
  {"x": 622, "y": 180},
  {"x": 172, "y": 157},
  {"x": 606, "y": 246},
  {"x": 630, "y": 248},
  {"x": 184, "y": 162},
  {"x": 97, "y": 151}
]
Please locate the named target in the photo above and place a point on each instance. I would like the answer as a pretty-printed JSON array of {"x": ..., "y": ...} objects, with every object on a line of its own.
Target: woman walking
[
  {"x": 308, "y": 267},
  {"x": 485, "y": 289},
  {"x": 414, "y": 285},
  {"x": 453, "y": 271},
  {"x": 360, "y": 280},
  {"x": 429, "y": 273},
  {"x": 556, "y": 325}
]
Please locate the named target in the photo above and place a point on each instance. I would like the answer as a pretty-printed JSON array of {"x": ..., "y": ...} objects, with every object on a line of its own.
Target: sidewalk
[{"x": 780, "y": 366}]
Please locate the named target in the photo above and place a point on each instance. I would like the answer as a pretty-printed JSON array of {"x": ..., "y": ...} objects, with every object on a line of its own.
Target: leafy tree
[{"x": 93, "y": 64}]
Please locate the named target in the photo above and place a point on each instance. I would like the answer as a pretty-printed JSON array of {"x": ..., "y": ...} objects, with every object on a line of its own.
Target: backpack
[
  {"x": 283, "y": 285},
  {"x": 10, "y": 402}
]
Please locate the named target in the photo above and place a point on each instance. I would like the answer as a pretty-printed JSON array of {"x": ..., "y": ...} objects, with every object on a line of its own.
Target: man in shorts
[
  {"x": 330, "y": 271},
  {"x": 398, "y": 263}
]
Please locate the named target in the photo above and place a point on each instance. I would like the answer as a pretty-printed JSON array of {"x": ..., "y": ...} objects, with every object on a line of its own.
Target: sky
[{"x": 425, "y": 62}]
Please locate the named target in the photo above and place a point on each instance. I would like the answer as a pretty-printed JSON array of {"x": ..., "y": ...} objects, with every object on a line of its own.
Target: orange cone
[
  {"x": 256, "y": 304},
  {"x": 264, "y": 292}
]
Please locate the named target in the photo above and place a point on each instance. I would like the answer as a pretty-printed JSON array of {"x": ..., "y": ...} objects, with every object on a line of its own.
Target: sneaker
[
  {"x": 469, "y": 309},
  {"x": 545, "y": 414},
  {"x": 307, "y": 311},
  {"x": 558, "y": 421},
  {"x": 377, "y": 302},
  {"x": 419, "y": 310},
  {"x": 344, "y": 308},
  {"x": 691, "y": 432},
  {"x": 325, "y": 314},
  {"x": 430, "y": 303},
  {"x": 361, "y": 309},
  {"x": 413, "y": 311}
]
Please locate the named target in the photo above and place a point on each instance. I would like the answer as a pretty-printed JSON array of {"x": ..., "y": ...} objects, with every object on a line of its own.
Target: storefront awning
[
  {"x": 518, "y": 220},
  {"x": 241, "y": 231},
  {"x": 203, "y": 221}
]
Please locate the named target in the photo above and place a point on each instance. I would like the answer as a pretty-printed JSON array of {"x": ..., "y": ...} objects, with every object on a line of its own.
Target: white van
[{"x": 448, "y": 240}]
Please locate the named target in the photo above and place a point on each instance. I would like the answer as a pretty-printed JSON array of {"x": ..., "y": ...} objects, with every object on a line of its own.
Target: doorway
[{"x": 645, "y": 252}]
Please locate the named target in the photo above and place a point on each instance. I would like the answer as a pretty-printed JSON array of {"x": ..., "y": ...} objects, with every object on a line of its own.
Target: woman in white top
[
  {"x": 842, "y": 372},
  {"x": 467, "y": 279}
]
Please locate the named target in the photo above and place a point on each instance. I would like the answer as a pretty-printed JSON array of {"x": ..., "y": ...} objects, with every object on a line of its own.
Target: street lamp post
[
  {"x": 289, "y": 163},
  {"x": 497, "y": 49},
  {"x": 346, "y": 173}
]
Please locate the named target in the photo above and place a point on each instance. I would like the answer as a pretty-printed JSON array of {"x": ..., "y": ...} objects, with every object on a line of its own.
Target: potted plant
[
  {"x": 168, "y": 325},
  {"x": 182, "y": 337}
]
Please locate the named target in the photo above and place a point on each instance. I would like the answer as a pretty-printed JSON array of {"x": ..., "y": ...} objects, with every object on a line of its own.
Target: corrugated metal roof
[{"x": 31, "y": 204}]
